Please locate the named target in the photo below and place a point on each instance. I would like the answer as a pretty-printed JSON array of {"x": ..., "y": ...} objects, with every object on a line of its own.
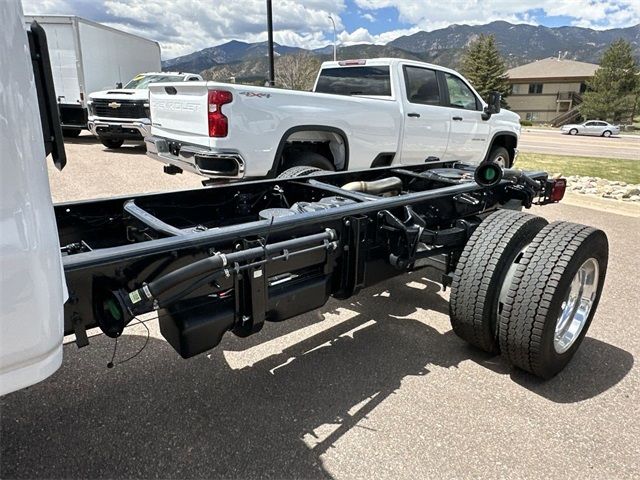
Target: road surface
[
  {"x": 374, "y": 387},
  {"x": 553, "y": 142}
]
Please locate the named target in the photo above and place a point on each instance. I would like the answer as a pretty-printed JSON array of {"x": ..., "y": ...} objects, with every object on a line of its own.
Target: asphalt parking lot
[
  {"x": 374, "y": 387},
  {"x": 553, "y": 142}
]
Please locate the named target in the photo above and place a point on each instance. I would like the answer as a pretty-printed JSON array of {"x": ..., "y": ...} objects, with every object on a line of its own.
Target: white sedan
[{"x": 592, "y": 127}]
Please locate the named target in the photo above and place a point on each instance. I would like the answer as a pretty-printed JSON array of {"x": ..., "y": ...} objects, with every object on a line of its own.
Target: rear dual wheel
[
  {"x": 528, "y": 289},
  {"x": 553, "y": 297}
]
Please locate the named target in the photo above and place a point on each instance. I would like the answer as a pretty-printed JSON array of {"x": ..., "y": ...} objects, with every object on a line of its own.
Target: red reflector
[
  {"x": 558, "y": 189},
  {"x": 218, "y": 123}
]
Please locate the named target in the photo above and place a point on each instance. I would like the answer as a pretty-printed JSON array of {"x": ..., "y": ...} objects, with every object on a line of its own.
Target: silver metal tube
[{"x": 375, "y": 187}]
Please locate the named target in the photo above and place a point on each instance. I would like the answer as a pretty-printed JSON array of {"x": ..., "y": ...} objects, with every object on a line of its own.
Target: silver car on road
[{"x": 592, "y": 127}]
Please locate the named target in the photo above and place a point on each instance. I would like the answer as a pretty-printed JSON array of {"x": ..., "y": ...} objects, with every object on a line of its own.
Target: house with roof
[{"x": 549, "y": 90}]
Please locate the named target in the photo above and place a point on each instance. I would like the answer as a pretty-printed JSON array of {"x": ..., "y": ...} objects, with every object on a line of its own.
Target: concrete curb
[{"x": 618, "y": 207}]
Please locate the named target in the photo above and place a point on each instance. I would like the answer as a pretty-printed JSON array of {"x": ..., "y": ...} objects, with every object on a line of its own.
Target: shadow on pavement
[
  {"x": 161, "y": 416},
  {"x": 596, "y": 367},
  {"x": 83, "y": 139},
  {"x": 129, "y": 147}
]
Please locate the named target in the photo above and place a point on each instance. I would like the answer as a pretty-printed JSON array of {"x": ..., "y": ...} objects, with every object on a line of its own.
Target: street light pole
[
  {"x": 335, "y": 48},
  {"x": 272, "y": 74}
]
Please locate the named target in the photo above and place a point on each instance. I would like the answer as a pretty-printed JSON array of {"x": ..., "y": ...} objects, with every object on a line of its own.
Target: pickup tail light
[
  {"x": 557, "y": 189},
  {"x": 218, "y": 122}
]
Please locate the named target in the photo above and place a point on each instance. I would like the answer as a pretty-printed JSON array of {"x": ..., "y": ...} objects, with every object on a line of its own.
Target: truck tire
[
  {"x": 481, "y": 272},
  {"x": 71, "y": 132},
  {"x": 300, "y": 171},
  {"x": 500, "y": 155},
  {"x": 112, "y": 142},
  {"x": 311, "y": 159},
  {"x": 553, "y": 297}
]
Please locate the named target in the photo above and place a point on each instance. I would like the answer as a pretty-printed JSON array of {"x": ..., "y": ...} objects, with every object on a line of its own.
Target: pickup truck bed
[{"x": 259, "y": 117}]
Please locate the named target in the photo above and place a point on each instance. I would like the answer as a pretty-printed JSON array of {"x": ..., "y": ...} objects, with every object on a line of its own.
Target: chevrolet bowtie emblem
[{"x": 114, "y": 105}]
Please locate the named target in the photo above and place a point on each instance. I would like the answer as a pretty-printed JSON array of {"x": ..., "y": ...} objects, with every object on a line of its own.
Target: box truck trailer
[{"x": 86, "y": 57}]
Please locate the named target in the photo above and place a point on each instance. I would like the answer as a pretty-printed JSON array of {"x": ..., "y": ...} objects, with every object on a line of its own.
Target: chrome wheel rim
[{"x": 576, "y": 306}]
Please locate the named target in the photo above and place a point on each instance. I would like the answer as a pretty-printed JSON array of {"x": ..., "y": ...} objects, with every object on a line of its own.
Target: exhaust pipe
[{"x": 375, "y": 187}]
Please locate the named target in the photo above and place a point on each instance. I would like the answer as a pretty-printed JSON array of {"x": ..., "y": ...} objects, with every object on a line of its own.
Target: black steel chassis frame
[{"x": 239, "y": 275}]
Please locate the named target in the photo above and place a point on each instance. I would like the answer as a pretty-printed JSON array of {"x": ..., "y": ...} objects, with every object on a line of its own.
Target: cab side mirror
[
  {"x": 493, "y": 105},
  {"x": 119, "y": 85}
]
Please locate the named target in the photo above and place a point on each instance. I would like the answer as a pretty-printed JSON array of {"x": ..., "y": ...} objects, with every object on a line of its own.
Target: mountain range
[{"x": 519, "y": 44}]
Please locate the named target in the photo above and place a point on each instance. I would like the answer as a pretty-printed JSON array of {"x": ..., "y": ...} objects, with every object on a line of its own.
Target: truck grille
[{"x": 119, "y": 108}]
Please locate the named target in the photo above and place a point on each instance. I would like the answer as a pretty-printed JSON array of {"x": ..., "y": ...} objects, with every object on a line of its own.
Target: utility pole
[
  {"x": 272, "y": 74},
  {"x": 335, "y": 48}
]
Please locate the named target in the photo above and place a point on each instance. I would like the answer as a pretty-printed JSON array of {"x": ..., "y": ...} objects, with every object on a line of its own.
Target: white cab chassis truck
[
  {"x": 235, "y": 257},
  {"x": 121, "y": 114},
  {"x": 86, "y": 57},
  {"x": 361, "y": 114}
]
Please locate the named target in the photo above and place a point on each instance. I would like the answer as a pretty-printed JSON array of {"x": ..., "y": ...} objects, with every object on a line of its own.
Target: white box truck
[{"x": 86, "y": 57}]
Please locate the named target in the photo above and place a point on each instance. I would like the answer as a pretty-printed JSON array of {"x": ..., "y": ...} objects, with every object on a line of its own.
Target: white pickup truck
[
  {"x": 362, "y": 113},
  {"x": 121, "y": 114}
]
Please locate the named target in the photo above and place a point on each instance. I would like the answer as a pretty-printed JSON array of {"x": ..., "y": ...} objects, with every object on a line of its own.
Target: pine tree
[
  {"x": 613, "y": 91},
  {"x": 483, "y": 65}
]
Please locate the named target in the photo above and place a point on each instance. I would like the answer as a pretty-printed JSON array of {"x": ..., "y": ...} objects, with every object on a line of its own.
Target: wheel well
[
  {"x": 510, "y": 142},
  {"x": 327, "y": 141}
]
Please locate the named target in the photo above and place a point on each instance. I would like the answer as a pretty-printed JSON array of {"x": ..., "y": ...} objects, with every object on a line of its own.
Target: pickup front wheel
[
  {"x": 500, "y": 155},
  {"x": 112, "y": 142}
]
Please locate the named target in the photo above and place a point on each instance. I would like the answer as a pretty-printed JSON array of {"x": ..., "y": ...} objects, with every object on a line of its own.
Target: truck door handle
[
  {"x": 457, "y": 119},
  {"x": 414, "y": 115}
]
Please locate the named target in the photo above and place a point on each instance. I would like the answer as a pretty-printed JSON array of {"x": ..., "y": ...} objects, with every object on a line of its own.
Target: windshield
[{"x": 143, "y": 81}]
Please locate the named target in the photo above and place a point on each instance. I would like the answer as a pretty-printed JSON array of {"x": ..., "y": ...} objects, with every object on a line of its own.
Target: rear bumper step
[{"x": 221, "y": 164}]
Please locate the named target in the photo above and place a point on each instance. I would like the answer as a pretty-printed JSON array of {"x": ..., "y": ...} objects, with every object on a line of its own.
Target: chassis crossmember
[{"x": 229, "y": 258}]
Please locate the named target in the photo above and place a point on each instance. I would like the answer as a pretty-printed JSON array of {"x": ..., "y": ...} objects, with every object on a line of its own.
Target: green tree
[
  {"x": 612, "y": 93},
  {"x": 485, "y": 68}
]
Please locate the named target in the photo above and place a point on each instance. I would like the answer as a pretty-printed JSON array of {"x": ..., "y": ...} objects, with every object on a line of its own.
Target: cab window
[
  {"x": 460, "y": 95},
  {"x": 422, "y": 86}
]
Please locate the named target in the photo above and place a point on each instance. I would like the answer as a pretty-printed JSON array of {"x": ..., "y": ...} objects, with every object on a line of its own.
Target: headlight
[
  {"x": 90, "y": 109},
  {"x": 147, "y": 110}
]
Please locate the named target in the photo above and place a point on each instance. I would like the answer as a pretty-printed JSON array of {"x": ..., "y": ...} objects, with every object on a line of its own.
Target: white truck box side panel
[
  {"x": 109, "y": 56},
  {"x": 64, "y": 60},
  {"x": 32, "y": 288}
]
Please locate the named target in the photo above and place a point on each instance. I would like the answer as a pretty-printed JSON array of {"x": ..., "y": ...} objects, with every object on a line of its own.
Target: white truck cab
[
  {"x": 362, "y": 113},
  {"x": 32, "y": 285},
  {"x": 123, "y": 113}
]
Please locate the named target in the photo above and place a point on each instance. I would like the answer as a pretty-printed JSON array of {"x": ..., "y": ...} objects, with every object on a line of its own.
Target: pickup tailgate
[{"x": 179, "y": 111}]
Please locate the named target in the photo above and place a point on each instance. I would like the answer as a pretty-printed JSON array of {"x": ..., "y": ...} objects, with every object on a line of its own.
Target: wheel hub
[{"x": 576, "y": 305}]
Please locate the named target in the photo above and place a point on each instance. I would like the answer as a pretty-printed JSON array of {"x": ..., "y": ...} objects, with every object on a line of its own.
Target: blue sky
[{"x": 183, "y": 26}]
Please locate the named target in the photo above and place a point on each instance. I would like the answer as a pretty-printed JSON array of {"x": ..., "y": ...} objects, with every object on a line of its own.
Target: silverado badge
[{"x": 114, "y": 105}]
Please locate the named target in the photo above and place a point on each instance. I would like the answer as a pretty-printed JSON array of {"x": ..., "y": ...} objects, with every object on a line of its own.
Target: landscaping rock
[{"x": 603, "y": 188}]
